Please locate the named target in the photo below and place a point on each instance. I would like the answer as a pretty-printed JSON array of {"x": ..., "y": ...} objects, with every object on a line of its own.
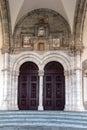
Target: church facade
[{"x": 43, "y": 61}]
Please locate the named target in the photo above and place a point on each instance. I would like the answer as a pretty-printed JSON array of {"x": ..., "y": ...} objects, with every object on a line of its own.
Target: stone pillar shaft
[
  {"x": 77, "y": 84},
  {"x": 6, "y": 82},
  {"x": 41, "y": 74},
  {"x": 67, "y": 91},
  {"x": 14, "y": 96},
  {"x": 85, "y": 87}
]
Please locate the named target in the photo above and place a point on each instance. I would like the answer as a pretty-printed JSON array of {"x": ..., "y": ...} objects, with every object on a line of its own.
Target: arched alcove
[{"x": 41, "y": 62}]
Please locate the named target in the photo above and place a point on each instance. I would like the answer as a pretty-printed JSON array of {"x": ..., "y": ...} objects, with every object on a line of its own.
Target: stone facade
[
  {"x": 41, "y": 36},
  {"x": 73, "y": 77}
]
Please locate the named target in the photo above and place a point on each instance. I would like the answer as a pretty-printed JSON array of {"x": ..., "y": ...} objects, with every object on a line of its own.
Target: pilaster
[
  {"x": 14, "y": 100},
  {"x": 77, "y": 97}
]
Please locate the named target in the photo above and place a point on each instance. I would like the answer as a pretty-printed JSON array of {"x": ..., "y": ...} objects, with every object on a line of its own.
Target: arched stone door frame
[
  {"x": 40, "y": 61},
  {"x": 64, "y": 60}
]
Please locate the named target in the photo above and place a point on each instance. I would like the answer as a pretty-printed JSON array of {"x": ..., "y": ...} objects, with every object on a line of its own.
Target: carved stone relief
[
  {"x": 26, "y": 41},
  {"x": 41, "y": 26},
  {"x": 56, "y": 42}
]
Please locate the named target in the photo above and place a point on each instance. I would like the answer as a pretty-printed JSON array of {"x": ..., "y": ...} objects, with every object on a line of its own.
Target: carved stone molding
[
  {"x": 41, "y": 72},
  {"x": 72, "y": 72}
]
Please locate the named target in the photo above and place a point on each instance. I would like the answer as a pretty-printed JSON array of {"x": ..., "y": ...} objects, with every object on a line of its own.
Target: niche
[{"x": 41, "y": 46}]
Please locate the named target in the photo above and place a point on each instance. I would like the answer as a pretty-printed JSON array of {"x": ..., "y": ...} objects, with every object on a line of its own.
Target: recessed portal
[
  {"x": 54, "y": 87},
  {"x": 28, "y": 87}
]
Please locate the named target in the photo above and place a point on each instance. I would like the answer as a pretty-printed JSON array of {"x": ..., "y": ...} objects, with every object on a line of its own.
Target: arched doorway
[
  {"x": 54, "y": 87},
  {"x": 28, "y": 87}
]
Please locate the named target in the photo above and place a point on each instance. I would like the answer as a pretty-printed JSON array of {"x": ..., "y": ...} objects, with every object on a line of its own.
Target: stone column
[
  {"x": 67, "y": 91},
  {"x": 85, "y": 89},
  {"x": 9, "y": 90},
  {"x": 5, "y": 81},
  {"x": 14, "y": 104},
  {"x": 77, "y": 88},
  {"x": 41, "y": 74},
  {"x": 73, "y": 90}
]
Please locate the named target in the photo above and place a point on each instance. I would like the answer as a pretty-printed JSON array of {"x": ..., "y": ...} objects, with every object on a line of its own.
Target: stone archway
[
  {"x": 40, "y": 61},
  {"x": 17, "y": 63}
]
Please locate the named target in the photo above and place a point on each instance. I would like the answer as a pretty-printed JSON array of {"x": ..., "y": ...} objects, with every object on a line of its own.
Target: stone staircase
[{"x": 43, "y": 120}]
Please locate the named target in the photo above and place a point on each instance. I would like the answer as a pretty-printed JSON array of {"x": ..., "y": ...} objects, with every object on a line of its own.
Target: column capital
[
  {"x": 15, "y": 73},
  {"x": 77, "y": 68},
  {"x": 41, "y": 72},
  {"x": 72, "y": 71},
  {"x": 85, "y": 74},
  {"x": 79, "y": 46},
  {"x": 66, "y": 73}
]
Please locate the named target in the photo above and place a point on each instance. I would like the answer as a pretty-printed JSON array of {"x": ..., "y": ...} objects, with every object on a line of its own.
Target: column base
[
  {"x": 40, "y": 108},
  {"x": 74, "y": 108},
  {"x": 78, "y": 108},
  {"x": 4, "y": 105},
  {"x": 67, "y": 108},
  {"x": 13, "y": 108}
]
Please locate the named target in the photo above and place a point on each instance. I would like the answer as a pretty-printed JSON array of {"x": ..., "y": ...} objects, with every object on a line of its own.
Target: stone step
[
  {"x": 44, "y": 123},
  {"x": 44, "y": 112},
  {"x": 43, "y": 118}
]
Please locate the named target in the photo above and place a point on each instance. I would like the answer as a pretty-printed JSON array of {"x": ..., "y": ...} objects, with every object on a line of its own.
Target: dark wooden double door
[
  {"x": 53, "y": 87},
  {"x": 28, "y": 87}
]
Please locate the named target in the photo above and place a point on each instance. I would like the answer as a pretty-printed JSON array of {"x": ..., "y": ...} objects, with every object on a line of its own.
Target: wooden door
[
  {"x": 28, "y": 87},
  {"x": 54, "y": 87}
]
